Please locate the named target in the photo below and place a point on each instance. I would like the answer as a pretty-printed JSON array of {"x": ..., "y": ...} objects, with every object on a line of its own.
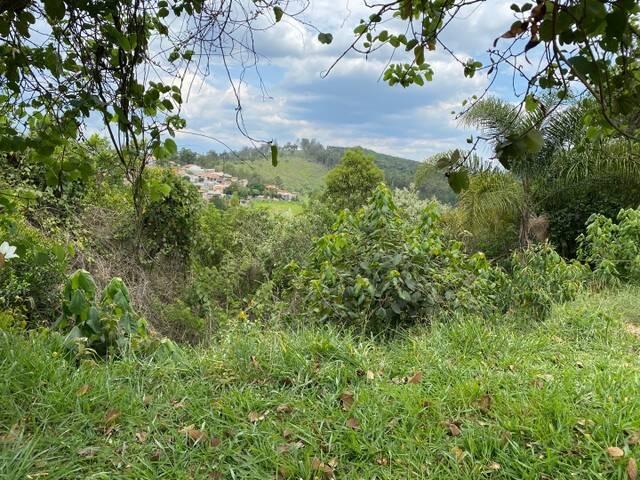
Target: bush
[
  {"x": 612, "y": 249},
  {"x": 379, "y": 269},
  {"x": 539, "y": 278},
  {"x": 107, "y": 326},
  {"x": 30, "y": 284}
]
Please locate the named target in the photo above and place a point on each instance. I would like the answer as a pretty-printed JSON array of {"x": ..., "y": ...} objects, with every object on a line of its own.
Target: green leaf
[
  {"x": 274, "y": 155},
  {"x": 459, "y": 180},
  {"x": 278, "y": 12},
  {"x": 325, "y": 38},
  {"x": 530, "y": 103},
  {"x": 419, "y": 54},
  {"x": 170, "y": 146},
  {"x": 55, "y": 9}
]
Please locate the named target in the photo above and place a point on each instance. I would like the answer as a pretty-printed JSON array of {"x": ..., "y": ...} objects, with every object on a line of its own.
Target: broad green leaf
[
  {"x": 274, "y": 155},
  {"x": 459, "y": 180},
  {"x": 55, "y": 9},
  {"x": 278, "y": 12}
]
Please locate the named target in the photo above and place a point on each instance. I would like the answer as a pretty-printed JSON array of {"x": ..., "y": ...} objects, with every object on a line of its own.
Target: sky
[{"x": 352, "y": 106}]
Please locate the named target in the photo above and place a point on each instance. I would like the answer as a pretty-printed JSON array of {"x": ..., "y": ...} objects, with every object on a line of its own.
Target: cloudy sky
[{"x": 352, "y": 106}]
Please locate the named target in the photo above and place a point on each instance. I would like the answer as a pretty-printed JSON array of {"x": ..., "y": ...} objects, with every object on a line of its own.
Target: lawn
[
  {"x": 471, "y": 398},
  {"x": 279, "y": 206}
]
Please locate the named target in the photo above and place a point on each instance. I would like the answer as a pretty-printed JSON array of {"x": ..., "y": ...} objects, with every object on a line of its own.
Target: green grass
[
  {"x": 278, "y": 206},
  {"x": 561, "y": 391}
]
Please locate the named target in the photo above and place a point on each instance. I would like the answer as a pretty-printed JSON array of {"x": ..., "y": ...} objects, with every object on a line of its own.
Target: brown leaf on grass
[
  {"x": 83, "y": 390},
  {"x": 632, "y": 469},
  {"x": 493, "y": 467},
  {"x": 155, "y": 455},
  {"x": 634, "y": 438},
  {"x": 254, "y": 361},
  {"x": 415, "y": 378},
  {"x": 453, "y": 428},
  {"x": 346, "y": 400},
  {"x": 194, "y": 436},
  {"x": 615, "y": 452},
  {"x": 88, "y": 452},
  {"x": 111, "y": 417},
  {"x": 284, "y": 408},
  {"x": 484, "y": 404},
  {"x": 146, "y": 400},
  {"x": 459, "y": 453},
  {"x": 323, "y": 468},
  {"x": 370, "y": 375},
  {"x": 288, "y": 447},
  {"x": 255, "y": 417},
  {"x": 286, "y": 433},
  {"x": 11, "y": 435},
  {"x": 353, "y": 423},
  {"x": 382, "y": 461},
  {"x": 178, "y": 403},
  {"x": 215, "y": 442},
  {"x": 141, "y": 437}
]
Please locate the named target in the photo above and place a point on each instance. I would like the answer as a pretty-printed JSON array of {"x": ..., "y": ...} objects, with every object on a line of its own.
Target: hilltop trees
[{"x": 353, "y": 180}]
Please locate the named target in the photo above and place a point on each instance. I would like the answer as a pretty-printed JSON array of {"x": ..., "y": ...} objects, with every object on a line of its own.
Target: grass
[
  {"x": 279, "y": 206},
  {"x": 531, "y": 400}
]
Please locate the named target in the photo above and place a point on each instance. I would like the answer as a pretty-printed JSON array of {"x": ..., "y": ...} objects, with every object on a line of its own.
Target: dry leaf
[
  {"x": 141, "y": 437},
  {"x": 370, "y": 375},
  {"x": 632, "y": 469},
  {"x": 459, "y": 453},
  {"x": 353, "y": 423},
  {"x": 155, "y": 455},
  {"x": 146, "y": 400},
  {"x": 287, "y": 447},
  {"x": 415, "y": 378},
  {"x": 215, "y": 442},
  {"x": 83, "y": 390},
  {"x": 11, "y": 435},
  {"x": 494, "y": 467},
  {"x": 88, "y": 452},
  {"x": 255, "y": 417},
  {"x": 178, "y": 403},
  {"x": 194, "y": 435},
  {"x": 634, "y": 438},
  {"x": 286, "y": 433},
  {"x": 453, "y": 428},
  {"x": 325, "y": 469},
  {"x": 485, "y": 403},
  {"x": 284, "y": 408},
  {"x": 382, "y": 461},
  {"x": 615, "y": 452},
  {"x": 346, "y": 400},
  {"x": 111, "y": 417}
]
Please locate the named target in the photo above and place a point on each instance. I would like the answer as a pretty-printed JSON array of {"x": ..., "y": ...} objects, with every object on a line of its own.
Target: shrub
[
  {"x": 106, "y": 326},
  {"x": 30, "y": 284},
  {"x": 353, "y": 180},
  {"x": 378, "y": 269},
  {"x": 539, "y": 278},
  {"x": 612, "y": 249}
]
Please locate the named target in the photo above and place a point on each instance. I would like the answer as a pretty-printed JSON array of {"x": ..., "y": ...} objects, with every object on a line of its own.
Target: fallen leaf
[
  {"x": 286, "y": 433},
  {"x": 370, "y": 375},
  {"x": 194, "y": 435},
  {"x": 494, "y": 467},
  {"x": 615, "y": 452},
  {"x": 459, "y": 454},
  {"x": 382, "y": 461},
  {"x": 155, "y": 455},
  {"x": 255, "y": 417},
  {"x": 141, "y": 437},
  {"x": 634, "y": 438},
  {"x": 215, "y": 442},
  {"x": 453, "y": 428},
  {"x": 325, "y": 469},
  {"x": 353, "y": 423},
  {"x": 83, "y": 390},
  {"x": 11, "y": 435},
  {"x": 415, "y": 378},
  {"x": 346, "y": 400},
  {"x": 484, "y": 404},
  {"x": 146, "y": 400},
  {"x": 178, "y": 403},
  {"x": 111, "y": 417},
  {"x": 632, "y": 469},
  {"x": 284, "y": 408},
  {"x": 288, "y": 447},
  {"x": 88, "y": 452}
]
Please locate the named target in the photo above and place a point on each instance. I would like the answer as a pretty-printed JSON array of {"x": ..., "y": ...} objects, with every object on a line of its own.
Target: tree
[
  {"x": 591, "y": 43},
  {"x": 350, "y": 184}
]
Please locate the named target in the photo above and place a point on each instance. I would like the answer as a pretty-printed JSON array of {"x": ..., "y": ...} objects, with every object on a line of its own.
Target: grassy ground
[
  {"x": 475, "y": 398},
  {"x": 279, "y": 206}
]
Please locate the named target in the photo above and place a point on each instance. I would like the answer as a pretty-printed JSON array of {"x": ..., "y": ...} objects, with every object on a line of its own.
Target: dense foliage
[{"x": 352, "y": 181}]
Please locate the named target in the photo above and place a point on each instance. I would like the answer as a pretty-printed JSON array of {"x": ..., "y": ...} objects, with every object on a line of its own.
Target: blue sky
[{"x": 351, "y": 106}]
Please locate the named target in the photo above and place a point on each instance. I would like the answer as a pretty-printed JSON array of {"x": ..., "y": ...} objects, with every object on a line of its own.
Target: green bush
[
  {"x": 379, "y": 269},
  {"x": 105, "y": 326},
  {"x": 30, "y": 284},
  {"x": 612, "y": 249},
  {"x": 539, "y": 278}
]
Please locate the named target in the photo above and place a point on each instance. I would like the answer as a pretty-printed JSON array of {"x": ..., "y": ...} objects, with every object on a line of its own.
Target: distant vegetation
[{"x": 303, "y": 166}]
